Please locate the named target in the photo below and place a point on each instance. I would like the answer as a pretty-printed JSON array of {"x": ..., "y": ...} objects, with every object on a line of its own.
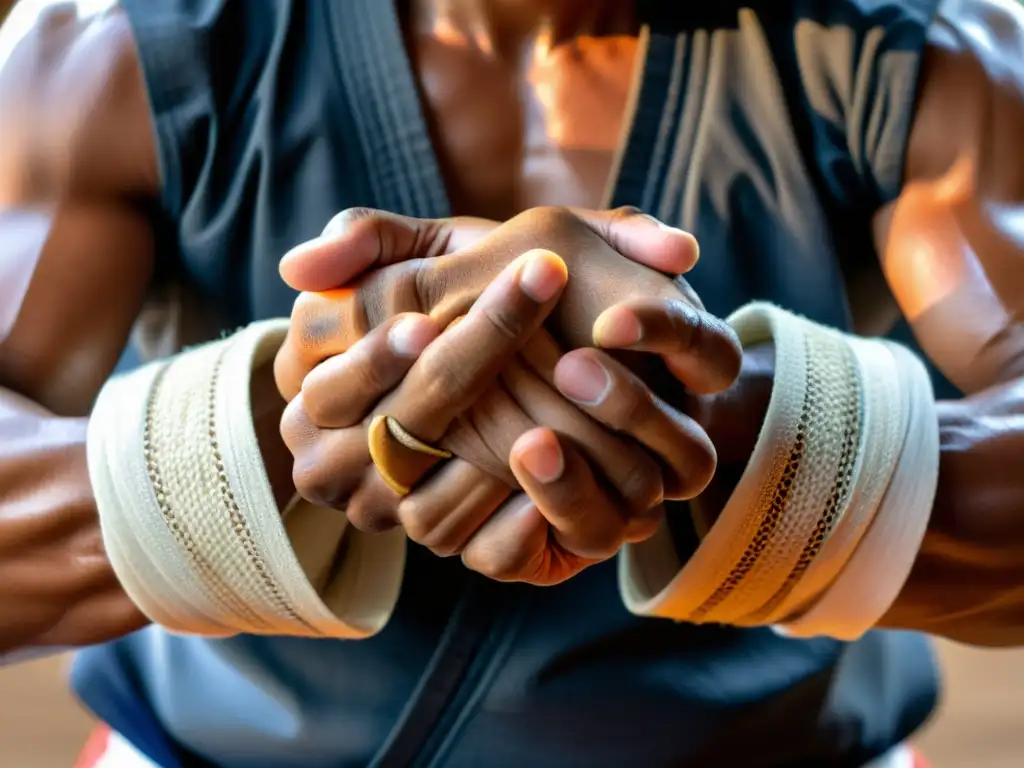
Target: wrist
[
  {"x": 267, "y": 409},
  {"x": 733, "y": 420}
]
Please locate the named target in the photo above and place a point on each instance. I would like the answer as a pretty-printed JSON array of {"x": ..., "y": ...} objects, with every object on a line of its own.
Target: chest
[
  {"x": 541, "y": 127},
  {"x": 706, "y": 140}
]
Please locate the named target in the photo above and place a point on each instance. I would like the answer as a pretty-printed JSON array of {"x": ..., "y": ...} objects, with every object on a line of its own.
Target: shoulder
[
  {"x": 74, "y": 106},
  {"x": 970, "y": 105}
]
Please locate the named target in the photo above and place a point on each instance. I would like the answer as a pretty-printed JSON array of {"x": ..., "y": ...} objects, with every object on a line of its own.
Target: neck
[{"x": 505, "y": 26}]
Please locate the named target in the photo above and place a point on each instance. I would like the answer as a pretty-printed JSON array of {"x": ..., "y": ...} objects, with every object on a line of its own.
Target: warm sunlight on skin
[
  {"x": 448, "y": 34},
  {"x": 929, "y": 270},
  {"x": 941, "y": 285},
  {"x": 587, "y": 80}
]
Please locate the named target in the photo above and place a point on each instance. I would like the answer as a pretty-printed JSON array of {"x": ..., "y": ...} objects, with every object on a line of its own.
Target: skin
[
  {"x": 513, "y": 542},
  {"x": 79, "y": 174},
  {"x": 73, "y": 83},
  {"x": 951, "y": 247}
]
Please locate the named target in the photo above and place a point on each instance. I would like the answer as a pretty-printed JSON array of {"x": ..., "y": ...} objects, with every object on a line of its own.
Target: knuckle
[
  {"x": 390, "y": 291},
  {"x": 442, "y": 544},
  {"x": 419, "y": 520},
  {"x": 371, "y": 513},
  {"x": 550, "y": 216},
  {"x": 350, "y": 216},
  {"x": 510, "y": 323},
  {"x": 373, "y": 370},
  {"x": 287, "y": 371},
  {"x": 493, "y": 563},
  {"x": 431, "y": 280},
  {"x": 630, "y": 408},
  {"x": 314, "y": 485},
  {"x": 641, "y": 486},
  {"x": 295, "y": 428},
  {"x": 447, "y": 383},
  {"x": 703, "y": 333},
  {"x": 416, "y": 519},
  {"x": 615, "y": 215},
  {"x": 317, "y": 410}
]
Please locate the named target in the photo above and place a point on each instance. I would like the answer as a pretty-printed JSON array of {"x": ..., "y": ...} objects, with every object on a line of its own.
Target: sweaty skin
[{"x": 78, "y": 170}]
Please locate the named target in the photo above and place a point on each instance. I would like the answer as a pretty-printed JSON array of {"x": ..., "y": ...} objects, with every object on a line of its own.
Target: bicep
[
  {"x": 77, "y": 164},
  {"x": 952, "y": 244}
]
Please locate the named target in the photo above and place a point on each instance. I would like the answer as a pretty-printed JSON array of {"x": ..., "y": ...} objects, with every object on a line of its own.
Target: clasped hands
[{"x": 532, "y": 367}]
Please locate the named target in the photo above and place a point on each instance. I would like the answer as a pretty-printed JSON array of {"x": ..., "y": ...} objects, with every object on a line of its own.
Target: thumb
[
  {"x": 643, "y": 239},
  {"x": 359, "y": 239}
]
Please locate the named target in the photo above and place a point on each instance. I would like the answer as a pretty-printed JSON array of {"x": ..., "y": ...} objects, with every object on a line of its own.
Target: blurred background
[{"x": 980, "y": 723}]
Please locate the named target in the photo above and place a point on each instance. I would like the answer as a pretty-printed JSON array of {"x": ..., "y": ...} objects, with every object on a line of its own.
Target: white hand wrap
[
  {"x": 828, "y": 517},
  {"x": 189, "y": 518}
]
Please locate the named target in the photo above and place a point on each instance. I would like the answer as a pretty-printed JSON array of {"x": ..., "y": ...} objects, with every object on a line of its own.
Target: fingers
[
  {"x": 445, "y": 511},
  {"x": 631, "y": 471},
  {"x": 558, "y": 480},
  {"x": 340, "y": 391},
  {"x": 329, "y": 464},
  {"x": 700, "y": 349},
  {"x": 616, "y": 397},
  {"x": 330, "y": 322},
  {"x": 453, "y": 372},
  {"x": 359, "y": 239},
  {"x": 513, "y": 545},
  {"x": 643, "y": 239},
  {"x": 485, "y": 434}
]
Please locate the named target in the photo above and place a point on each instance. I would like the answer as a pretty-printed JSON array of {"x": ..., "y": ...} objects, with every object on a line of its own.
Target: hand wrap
[
  {"x": 820, "y": 534},
  {"x": 189, "y": 518}
]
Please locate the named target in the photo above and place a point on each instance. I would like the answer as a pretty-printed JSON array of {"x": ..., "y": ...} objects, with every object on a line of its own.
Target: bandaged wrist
[
  {"x": 189, "y": 518},
  {"x": 826, "y": 521}
]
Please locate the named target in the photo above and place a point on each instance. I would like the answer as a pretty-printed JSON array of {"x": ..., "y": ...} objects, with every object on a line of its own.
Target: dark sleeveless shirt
[{"x": 773, "y": 131}]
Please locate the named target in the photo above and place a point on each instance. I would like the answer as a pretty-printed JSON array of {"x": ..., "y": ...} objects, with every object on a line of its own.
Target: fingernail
[
  {"x": 583, "y": 379},
  {"x": 543, "y": 459},
  {"x": 617, "y": 327},
  {"x": 409, "y": 336},
  {"x": 543, "y": 276},
  {"x": 337, "y": 225}
]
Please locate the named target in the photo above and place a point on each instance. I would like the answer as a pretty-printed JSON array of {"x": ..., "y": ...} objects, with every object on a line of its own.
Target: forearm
[
  {"x": 57, "y": 585},
  {"x": 968, "y": 581}
]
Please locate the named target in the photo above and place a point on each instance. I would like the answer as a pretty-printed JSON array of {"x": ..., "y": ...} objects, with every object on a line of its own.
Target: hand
[
  {"x": 440, "y": 267},
  {"x": 732, "y": 418},
  {"x": 454, "y": 509}
]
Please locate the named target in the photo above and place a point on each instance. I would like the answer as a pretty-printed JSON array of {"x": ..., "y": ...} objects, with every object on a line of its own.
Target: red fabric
[{"x": 94, "y": 749}]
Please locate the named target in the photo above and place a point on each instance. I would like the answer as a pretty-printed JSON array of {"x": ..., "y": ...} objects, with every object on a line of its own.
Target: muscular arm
[
  {"x": 77, "y": 173},
  {"x": 952, "y": 248},
  {"x": 76, "y": 255}
]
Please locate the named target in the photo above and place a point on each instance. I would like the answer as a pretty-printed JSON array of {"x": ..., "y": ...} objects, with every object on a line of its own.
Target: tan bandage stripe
[
  {"x": 165, "y": 419},
  {"x": 851, "y": 399},
  {"x": 883, "y": 417},
  {"x": 189, "y": 518},
  {"x": 803, "y": 512},
  {"x": 271, "y": 594},
  {"x": 771, "y": 518}
]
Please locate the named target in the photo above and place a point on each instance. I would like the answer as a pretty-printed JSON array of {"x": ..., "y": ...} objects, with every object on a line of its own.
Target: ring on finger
[{"x": 386, "y": 438}]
